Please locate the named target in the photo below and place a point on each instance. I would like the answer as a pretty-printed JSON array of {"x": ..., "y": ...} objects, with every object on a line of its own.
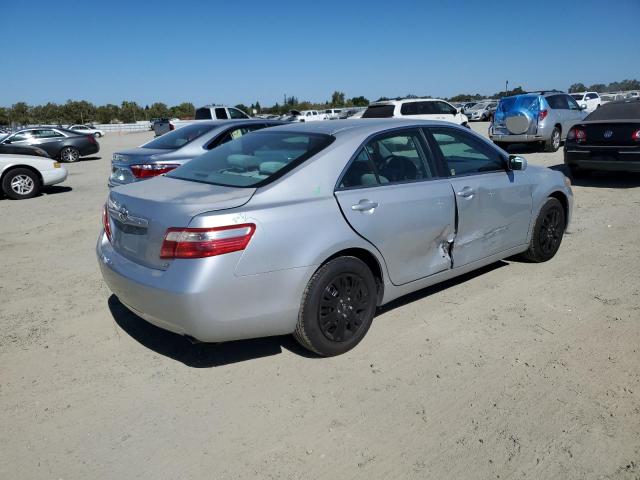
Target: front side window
[
  {"x": 235, "y": 113},
  {"x": 180, "y": 137},
  {"x": 464, "y": 154},
  {"x": 221, "y": 113},
  {"x": 444, "y": 108},
  {"x": 18, "y": 137},
  {"x": 253, "y": 160},
  {"x": 571, "y": 103},
  {"x": 578, "y": 96}
]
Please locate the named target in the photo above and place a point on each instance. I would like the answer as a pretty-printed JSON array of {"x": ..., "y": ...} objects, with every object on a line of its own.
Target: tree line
[{"x": 127, "y": 112}]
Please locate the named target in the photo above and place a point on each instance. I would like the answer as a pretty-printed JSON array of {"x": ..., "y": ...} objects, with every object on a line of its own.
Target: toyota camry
[{"x": 308, "y": 228}]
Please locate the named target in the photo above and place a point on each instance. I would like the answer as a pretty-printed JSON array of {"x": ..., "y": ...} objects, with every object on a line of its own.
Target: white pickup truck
[
  {"x": 307, "y": 116},
  {"x": 208, "y": 112}
]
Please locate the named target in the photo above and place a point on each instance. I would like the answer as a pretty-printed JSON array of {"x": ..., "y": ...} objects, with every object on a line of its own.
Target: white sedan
[
  {"x": 88, "y": 129},
  {"x": 23, "y": 176}
]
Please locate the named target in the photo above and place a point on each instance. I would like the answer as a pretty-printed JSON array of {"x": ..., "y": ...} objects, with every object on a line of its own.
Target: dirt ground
[{"x": 517, "y": 371}]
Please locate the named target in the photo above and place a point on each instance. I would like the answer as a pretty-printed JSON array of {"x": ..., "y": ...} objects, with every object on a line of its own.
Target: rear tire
[
  {"x": 553, "y": 143},
  {"x": 97, "y": 134},
  {"x": 69, "y": 154},
  {"x": 547, "y": 232},
  {"x": 21, "y": 183},
  {"x": 337, "y": 307}
]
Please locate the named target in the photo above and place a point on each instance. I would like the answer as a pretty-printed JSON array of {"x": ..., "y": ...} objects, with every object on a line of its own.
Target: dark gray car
[
  {"x": 175, "y": 148},
  {"x": 59, "y": 143}
]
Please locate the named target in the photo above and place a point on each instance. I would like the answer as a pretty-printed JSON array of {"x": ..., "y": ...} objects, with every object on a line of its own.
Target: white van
[{"x": 419, "y": 108}]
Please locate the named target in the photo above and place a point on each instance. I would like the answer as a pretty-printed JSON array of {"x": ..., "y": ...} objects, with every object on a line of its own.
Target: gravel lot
[{"x": 519, "y": 370}]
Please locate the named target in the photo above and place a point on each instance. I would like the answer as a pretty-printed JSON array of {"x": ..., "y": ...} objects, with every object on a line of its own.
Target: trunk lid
[
  {"x": 610, "y": 134},
  {"x": 140, "y": 213},
  {"x": 137, "y": 155}
]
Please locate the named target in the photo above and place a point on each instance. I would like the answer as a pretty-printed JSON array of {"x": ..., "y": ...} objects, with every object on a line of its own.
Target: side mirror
[{"x": 516, "y": 162}]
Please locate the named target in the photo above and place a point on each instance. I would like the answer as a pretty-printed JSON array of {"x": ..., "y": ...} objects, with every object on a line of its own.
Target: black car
[
  {"x": 23, "y": 150},
  {"x": 60, "y": 143},
  {"x": 608, "y": 139}
]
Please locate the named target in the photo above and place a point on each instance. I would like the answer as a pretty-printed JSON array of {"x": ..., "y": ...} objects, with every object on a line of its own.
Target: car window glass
[
  {"x": 571, "y": 103},
  {"x": 20, "y": 136},
  {"x": 235, "y": 133},
  {"x": 398, "y": 157},
  {"x": 221, "y": 113},
  {"x": 361, "y": 173},
  {"x": 444, "y": 108},
  {"x": 234, "y": 113},
  {"x": 46, "y": 133},
  {"x": 554, "y": 101},
  {"x": 465, "y": 154},
  {"x": 180, "y": 137}
]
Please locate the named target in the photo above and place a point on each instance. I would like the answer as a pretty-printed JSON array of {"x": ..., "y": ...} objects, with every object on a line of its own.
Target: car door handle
[
  {"x": 364, "y": 206},
  {"x": 466, "y": 192}
]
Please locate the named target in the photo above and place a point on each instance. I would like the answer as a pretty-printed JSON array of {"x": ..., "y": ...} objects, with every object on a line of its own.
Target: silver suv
[{"x": 544, "y": 117}]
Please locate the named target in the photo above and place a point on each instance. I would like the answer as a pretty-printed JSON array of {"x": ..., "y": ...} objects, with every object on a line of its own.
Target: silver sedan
[{"x": 308, "y": 228}]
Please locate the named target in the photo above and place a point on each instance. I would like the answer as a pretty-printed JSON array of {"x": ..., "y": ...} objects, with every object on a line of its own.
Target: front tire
[
  {"x": 337, "y": 307},
  {"x": 69, "y": 154},
  {"x": 547, "y": 232},
  {"x": 21, "y": 183},
  {"x": 97, "y": 134},
  {"x": 553, "y": 143}
]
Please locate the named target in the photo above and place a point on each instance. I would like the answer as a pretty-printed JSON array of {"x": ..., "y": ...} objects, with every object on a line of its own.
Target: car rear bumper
[
  {"x": 89, "y": 149},
  {"x": 204, "y": 298},
  {"x": 523, "y": 138},
  {"x": 605, "y": 160},
  {"x": 52, "y": 177}
]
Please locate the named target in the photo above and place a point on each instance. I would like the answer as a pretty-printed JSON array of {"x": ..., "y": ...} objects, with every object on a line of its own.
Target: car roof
[
  {"x": 406, "y": 100},
  {"x": 364, "y": 126}
]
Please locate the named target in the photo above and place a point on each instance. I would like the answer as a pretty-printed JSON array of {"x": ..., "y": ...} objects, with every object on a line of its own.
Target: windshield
[
  {"x": 522, "y": 102},
  {"x": 478, "y": 106},
  {"x": 254, "y": 159},
  {"x": 180, "y": 137},
  {"x": 577, "y": 96}
]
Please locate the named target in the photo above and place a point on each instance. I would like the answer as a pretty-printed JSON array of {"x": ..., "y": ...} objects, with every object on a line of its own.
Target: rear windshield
[
  {"x": 629, "y": 110},
  {"x": 254, "y": 159},
  {"x": 523, "y": 102},
  {"x": 577, "y": 96},
  {"x": 180, "y": 137},
  {"x": 203, "y": 114},
  {"x": 378, "y": 111}
]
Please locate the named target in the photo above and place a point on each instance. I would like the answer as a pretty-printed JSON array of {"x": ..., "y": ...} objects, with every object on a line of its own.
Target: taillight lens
[
  {"x": 206, "y": 242},
  {"x": 542, "y": 114},
  {"x": 152, "y": 169},
  {"x": 106, "y": 224},
  {"x": 635, "y": 136},
  {"x": 92, "y": 139},
  {"x": 577, "y": 134}
]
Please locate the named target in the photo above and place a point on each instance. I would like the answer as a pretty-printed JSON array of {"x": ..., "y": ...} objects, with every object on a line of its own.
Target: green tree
[
  {"x": 358, "y": 101},
  {"x": 337, "y": 99},
  {"x": 158, "y": 110},
  {"x": 577, "y": 87},
  {"x": 185, "y": 110},
  {"x": 258, "y": 107},
  {"x": 4, "y": 116},
  {"x": 244, "y": 108},
  {"x": 600, "y": 87},
  {"x": 20, "y": 113}
]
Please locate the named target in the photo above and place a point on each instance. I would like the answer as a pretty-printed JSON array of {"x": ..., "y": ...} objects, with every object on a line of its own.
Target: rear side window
[
  {"x": 464, "y": 154},
  {"x": 46, "y": 134},
  {"x": 558, "y": 102},
  {"x": 392, "y": 158},
  {"x": 203, "y": 114},
  {"x": 378, "y": 111},
  {"x": 253, "y": 160},
  {"x": 180, "y": 137},
  {"x": 221, "y": 113}
]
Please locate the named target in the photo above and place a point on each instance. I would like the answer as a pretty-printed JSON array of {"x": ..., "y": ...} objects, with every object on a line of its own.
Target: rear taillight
[
  {"x": 635, "y": 136},
  {"x": 577, "y": 134},
  {"x": 206, "y": 242},
  {"x": 152, "y": 169},
  {"x": 542, "y": 114},
  {"x": 92, "y": 139},
  {"x": 106, "y": 224}
]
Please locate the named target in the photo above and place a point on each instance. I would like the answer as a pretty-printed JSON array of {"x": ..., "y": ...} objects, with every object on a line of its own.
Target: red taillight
[
  {"x": 635, "y": 136},
  {"x": 542, "y": 114},
  {"x": 151, "y": 169},
  {"x": 577, "y": 134},
  {"x": 206, "y": 242},
  {"x": 92, "y": 139},
  {"x": 106, "y": 224}
]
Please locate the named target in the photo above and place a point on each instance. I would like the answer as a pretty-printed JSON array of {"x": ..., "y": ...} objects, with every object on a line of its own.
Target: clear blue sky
[{"x": 243, "y": 51}]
